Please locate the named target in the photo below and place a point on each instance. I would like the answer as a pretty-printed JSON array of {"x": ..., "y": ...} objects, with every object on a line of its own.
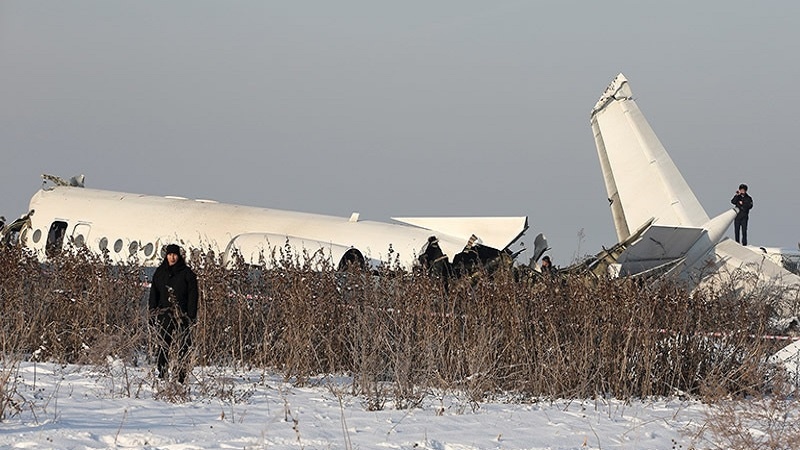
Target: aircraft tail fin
[{"x": 641, "y": 179}]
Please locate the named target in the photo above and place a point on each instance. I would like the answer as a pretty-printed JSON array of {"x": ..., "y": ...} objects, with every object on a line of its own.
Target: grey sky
[{"x": 412, "y": 108}]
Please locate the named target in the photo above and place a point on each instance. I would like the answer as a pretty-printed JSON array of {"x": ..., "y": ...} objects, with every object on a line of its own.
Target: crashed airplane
[
  {"x": 131, "y": 227},
  {"x": 660, "y": 224},
  {"x": 664, "y": 231}
]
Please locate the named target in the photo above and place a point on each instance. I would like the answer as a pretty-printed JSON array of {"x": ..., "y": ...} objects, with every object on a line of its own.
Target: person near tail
[
  {"x": 743, "y": 203},
  {"x": 173, "y": 308},
  {"x": 547, "y": 266}
]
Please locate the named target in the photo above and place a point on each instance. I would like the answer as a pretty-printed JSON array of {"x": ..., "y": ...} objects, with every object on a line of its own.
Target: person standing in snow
[
  {"x": 744, "y": 203},
  {"x": 173, "y": 307}
]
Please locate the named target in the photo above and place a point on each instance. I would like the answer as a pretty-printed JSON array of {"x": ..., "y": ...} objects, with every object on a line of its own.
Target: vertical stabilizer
[
  {"x": 672, "y": 234},
  {"x": 641, "y": 180}
]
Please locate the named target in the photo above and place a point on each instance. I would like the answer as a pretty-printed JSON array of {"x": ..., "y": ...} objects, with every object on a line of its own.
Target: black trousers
[
  {"x": 174, "y": 335},
  {"x": 740, "y": 224}
]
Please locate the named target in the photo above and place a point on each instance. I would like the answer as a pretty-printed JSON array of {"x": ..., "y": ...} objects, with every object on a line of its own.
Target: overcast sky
[{"x": 413, "y": 108}]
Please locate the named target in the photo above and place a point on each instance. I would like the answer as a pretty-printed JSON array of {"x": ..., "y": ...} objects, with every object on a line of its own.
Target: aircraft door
[
  {"x": 55, "y": 238},
  {"x": 80, "y": 235}
]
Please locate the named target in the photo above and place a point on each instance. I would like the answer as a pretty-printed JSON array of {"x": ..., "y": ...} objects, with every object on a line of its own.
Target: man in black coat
[
  {"x": 173, "y": 306},
  {"x": 744, "y": 203},
  {"x": 547, "y": 266}
]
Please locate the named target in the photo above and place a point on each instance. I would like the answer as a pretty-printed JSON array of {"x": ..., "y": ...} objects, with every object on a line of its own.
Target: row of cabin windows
[{"x": 55, "y": 240}]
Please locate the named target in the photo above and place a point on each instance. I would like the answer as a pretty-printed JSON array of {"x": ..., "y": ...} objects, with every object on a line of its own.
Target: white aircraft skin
[
  {"x": 643, "y": 184},
  {"x": 789, "y": 258},
  {"x": 136, "y": 227}
]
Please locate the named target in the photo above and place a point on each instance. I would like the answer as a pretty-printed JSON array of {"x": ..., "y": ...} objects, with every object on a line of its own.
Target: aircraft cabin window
[
  {"x": 148, "y": 250},
  {"x": 118, "y": 245},
  {"x": 80, "y": 234},
  {"x": 103, "y": 244},
  {"x": 37, "y": 235},
  {"x": 133, "y": 248},
  {"x": 55, "y": 238}
]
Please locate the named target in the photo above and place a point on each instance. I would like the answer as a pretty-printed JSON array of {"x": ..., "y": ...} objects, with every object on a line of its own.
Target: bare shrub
[
  {"x": 768, "y": 422},
  {"x": 402, "y": 335},
  {"x": 74, "y": 309},
  {"x": 11, "y": 403}
]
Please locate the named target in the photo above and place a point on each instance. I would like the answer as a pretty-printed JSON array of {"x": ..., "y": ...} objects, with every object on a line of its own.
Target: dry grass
[
  {"x": 764, "y": 422},
  {"x": 401, "y": 335}
]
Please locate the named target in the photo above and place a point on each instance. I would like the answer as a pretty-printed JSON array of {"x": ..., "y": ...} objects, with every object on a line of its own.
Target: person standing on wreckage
[
  {"x": 744, "y": 203},
  {"x": 173, "y": 308}
]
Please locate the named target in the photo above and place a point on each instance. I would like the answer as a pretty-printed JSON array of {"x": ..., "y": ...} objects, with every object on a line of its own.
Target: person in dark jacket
[
  {"x": 173, "y": 307},
  {"x": 433, "y": 259},
  {"x": 547, "y": 266},
  {"x": 744, "y": 203}
]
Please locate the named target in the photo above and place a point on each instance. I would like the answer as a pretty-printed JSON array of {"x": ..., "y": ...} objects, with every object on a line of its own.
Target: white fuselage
[{"x": 129, "y": 227}]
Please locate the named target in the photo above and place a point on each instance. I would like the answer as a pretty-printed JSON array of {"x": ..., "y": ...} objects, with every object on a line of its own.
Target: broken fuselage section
[{"x": 135, "y": 228}]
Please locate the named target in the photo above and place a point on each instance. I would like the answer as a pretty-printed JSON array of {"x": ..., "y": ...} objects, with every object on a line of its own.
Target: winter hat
[
  {"x": 743, "y": 186},
  {"x": 173, "y": 248}
]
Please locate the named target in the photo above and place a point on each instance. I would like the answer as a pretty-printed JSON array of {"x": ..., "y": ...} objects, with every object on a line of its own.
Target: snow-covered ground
[{"x": 116, "y": 407}]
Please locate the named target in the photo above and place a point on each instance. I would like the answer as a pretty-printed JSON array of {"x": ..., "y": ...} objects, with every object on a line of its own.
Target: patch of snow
[{"x": 114, "y": 407}]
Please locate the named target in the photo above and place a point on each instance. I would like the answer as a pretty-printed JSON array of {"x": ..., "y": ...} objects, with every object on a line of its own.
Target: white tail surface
[{"x": 641, "y": 180}]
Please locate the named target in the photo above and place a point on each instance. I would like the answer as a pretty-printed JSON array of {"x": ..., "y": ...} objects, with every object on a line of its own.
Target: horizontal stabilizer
[
  {"x": 495, "y": 232},
  {"x": 658, "y": 245}
]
